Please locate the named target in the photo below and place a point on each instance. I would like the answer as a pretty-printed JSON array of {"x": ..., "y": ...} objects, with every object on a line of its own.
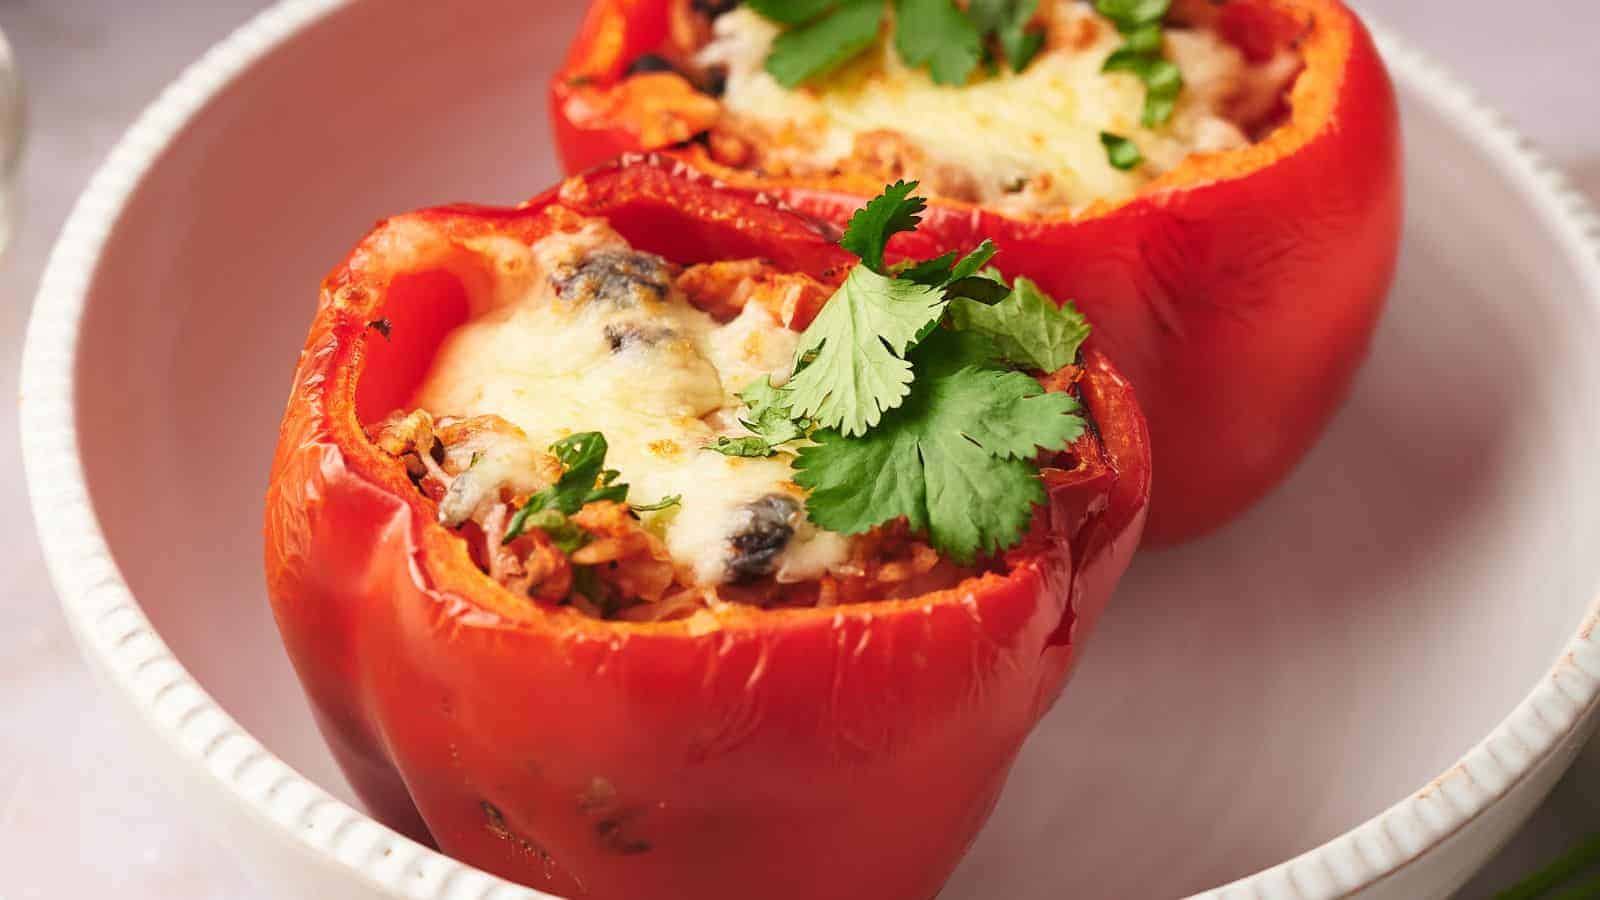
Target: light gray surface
[{"x": 77, "y": 817}]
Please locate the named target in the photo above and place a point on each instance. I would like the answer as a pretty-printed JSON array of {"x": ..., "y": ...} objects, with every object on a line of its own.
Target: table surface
[{"x": 77, "y": 814}]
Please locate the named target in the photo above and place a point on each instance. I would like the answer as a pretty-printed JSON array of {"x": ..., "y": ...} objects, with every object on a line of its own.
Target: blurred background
[{"x": 79, "y": 817}]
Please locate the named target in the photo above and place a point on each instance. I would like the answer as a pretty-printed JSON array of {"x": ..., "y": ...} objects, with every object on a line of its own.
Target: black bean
[
  {"x": 715, "y": 82},
  {"x": 650, "y": 62},
  {"x": 713, "y": 8},
  {"x": 622, "y": 278},
  {"x": 627, "y": 335},
  {"x": 763, "y": 530}
]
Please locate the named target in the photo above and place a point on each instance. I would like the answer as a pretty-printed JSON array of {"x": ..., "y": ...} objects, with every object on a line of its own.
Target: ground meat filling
[
  {"x": 652, "y": 357},
  {"x": 1027, "y": 143}
]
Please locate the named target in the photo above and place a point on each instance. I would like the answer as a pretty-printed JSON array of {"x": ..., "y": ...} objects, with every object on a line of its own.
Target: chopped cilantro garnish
[
  {"x": 1120, "y": 152},
  {"x": 1008, "y": 21},
  {"x": 901, "y": 410},
  {"x": 1145, "y": 39},
  {"x": 748, "y": 447},
  {"x": 1163, "y": 82},
  {"x": 955, "y": 460},
  {"x": 822, "y": 45},
  {"x": 667, "y": 502},
  {"x": 951, "y": 42},
  {"x": 1128, "y": 15},
  {"x": 1027, "y": 327},
  {"x": 1140, "y": 54},
  {"x": 770, "y": 419},
  {"x": 584, "y": 480},
  {"x": 563, "y": 532}
]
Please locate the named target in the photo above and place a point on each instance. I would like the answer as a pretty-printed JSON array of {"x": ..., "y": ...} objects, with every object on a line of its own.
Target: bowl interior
[{"x": 1247, "y": 698}]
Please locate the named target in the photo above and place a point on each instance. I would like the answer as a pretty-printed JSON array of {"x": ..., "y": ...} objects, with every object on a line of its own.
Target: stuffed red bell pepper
[
  {"x": 643, "y": 542},
  {"x": 1215, "y": 183}
]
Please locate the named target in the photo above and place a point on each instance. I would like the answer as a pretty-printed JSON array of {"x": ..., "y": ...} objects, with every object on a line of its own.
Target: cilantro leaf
[
  {"x": 850, "y": 361},
  {"x": 584, "y": 481},
  {"x": 950, "y": 268},
  {"x": 747, "y": 447},
  {"x": 1129, "y": 15},
  {"x": 973, "y": 262},
  {"x": 1163, "y": 81},
  {"x": 931, "y": 272},
  {"x": 857, "y": 484},
  {"x": 1146, "y": 39},
  {"x": 1027, "y": 327},
  {"x": 935, "y": 34},
  {"x": 1162, "y": 78},
  {"x": 985, "y": 289},
  {"x": 955, "y": 459},
  {"x": 886, "y": 215},
  {"x": 791, "y": 12},
  {"x": 1020, "y": 46},
  {"x": 1122, "y": 153},
  {"x": 1008, "y": 20},
  {"x": 770, "y": 419},
  {"x": 818, "y": 47}
]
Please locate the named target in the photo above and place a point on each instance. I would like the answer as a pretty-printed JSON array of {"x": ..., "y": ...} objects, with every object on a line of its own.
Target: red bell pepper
[
  {"x": 1238, "y": 291},
  {"x": 850, "y": 752}
]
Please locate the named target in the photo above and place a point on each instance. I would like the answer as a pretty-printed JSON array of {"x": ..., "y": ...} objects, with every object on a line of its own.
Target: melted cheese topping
[
  {"x": 652, "y": 373},
  {"x": 1027, "y": 142}
]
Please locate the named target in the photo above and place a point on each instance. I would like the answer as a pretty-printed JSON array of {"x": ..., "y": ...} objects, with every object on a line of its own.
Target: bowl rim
[{"x": 117, "y": 637}]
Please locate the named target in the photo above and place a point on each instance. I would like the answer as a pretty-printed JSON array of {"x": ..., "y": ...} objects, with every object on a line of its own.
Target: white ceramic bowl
[{"x": 1399, "y": 637}]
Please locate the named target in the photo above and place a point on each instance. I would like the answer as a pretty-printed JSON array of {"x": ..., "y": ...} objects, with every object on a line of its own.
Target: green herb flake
[
  {"x": 748, "y": 447},
  {"x": 1140, "y": 55},
  {"x": 1008, "y": 22},
  {"x": 770, "y": 420},
  {"x": 1131, "y": 15},
  {"x": 585, "y": 480},
  {"x": 1120, "y": 152},
  {"x": 664, "y": 503}
]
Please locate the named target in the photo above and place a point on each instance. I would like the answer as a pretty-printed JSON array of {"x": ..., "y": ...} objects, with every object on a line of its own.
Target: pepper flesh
[
  {"x": 1239, "y": 291},
  {"x": 850, "y": 752}
]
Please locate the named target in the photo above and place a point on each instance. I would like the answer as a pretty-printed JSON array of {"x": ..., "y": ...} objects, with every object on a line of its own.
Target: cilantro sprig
[
  {"x": 911, "y": 397},
  {"x": 955, "y": 460},
  {"x": 939, "y": 35}
]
